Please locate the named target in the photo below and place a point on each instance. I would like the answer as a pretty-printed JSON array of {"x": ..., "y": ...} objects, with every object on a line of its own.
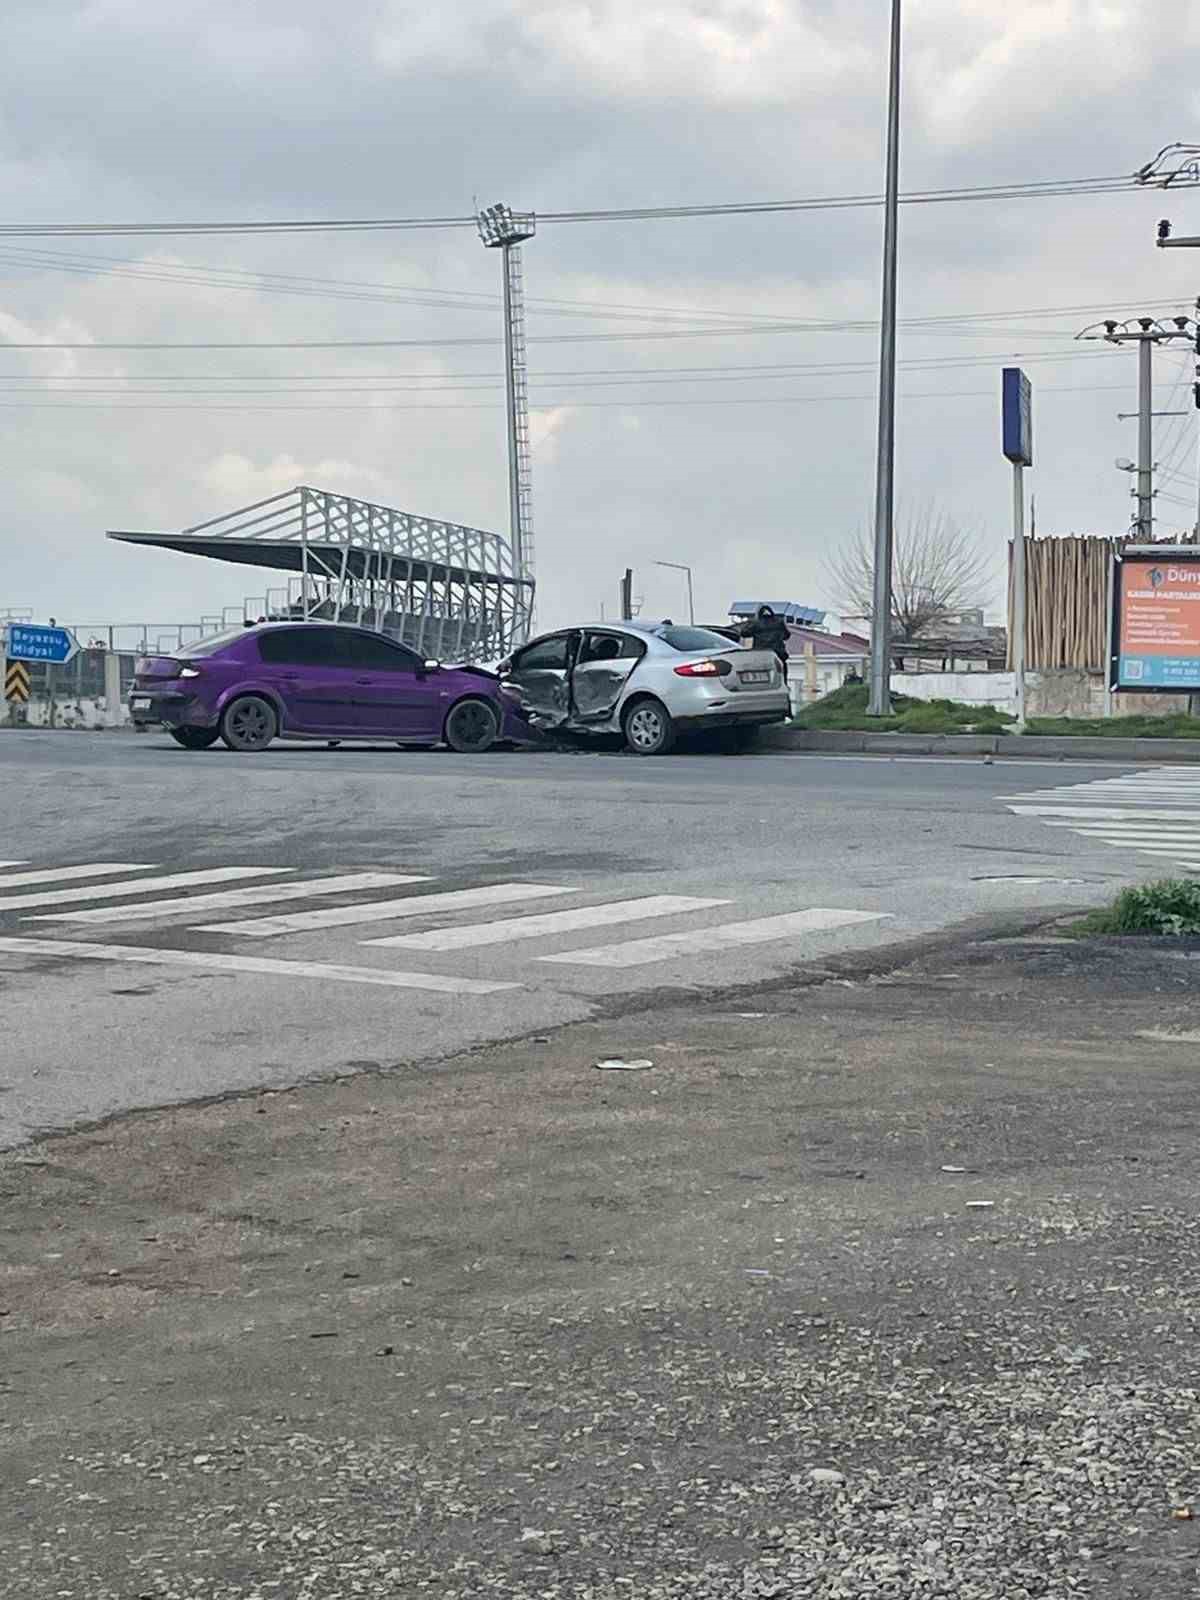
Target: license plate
[
  {"x": 139, "y": 703},
  {"x": 755, "y": 677}
]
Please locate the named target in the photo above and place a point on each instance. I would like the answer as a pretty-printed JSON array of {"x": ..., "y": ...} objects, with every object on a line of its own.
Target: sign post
[{"x": 1017, "y": 396}]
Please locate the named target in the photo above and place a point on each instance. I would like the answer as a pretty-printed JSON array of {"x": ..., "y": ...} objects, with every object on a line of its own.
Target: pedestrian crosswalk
[
  {"x": 510, "y": 928},
  {"x": 697, "y": 940},
  {"x": 425, "y": 905},
  {"x": 112, "y": 891},
  {"x": 171, "y": 914},
  {"x": 260, "y": 895},
  {"x": 1155, "y": 813}
]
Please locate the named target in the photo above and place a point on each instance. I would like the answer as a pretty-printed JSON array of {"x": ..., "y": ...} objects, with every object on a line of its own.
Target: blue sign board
[
  {"x": 29, "y": 641},
  {"x": 1018, "y": 417}
]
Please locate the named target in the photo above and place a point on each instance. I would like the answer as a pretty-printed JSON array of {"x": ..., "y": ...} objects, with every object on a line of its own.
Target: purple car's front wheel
[
  {"x": 472, "y": 727},
  {"x": 248, "y": 723}
]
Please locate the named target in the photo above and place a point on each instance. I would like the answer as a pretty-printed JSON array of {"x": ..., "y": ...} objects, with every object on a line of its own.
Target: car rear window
[
  {"x": 689, "y": 639},
  {"x": 214, "y": 642}
]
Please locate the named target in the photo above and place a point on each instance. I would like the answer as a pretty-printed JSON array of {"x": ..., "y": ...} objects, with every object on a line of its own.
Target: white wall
[
  {"x": 997, "y": 689},
  {"x": 82, "y": 713}
]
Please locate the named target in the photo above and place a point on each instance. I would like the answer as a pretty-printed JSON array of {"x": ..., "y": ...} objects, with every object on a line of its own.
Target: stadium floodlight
[{"x": 500, "y": 225}]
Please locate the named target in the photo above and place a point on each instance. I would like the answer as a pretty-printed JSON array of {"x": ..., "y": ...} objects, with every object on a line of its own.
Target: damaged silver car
[{"x": 647, "y": 681}]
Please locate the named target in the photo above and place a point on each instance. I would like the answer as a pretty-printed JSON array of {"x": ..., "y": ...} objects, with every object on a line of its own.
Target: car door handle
[
  {"x": 364, "y": 680},
  {"x": 289, "y": 677}
]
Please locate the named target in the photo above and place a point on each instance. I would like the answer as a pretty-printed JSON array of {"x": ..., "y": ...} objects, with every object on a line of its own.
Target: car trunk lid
[
  {"x": 752, "y": 670},
  {"x": 150, "y": 670}
]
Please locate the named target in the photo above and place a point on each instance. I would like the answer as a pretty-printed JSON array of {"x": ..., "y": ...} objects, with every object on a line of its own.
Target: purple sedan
[{"x": 313, "y": 680}]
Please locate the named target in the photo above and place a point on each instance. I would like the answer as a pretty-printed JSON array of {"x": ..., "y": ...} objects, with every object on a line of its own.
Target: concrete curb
[{"x": 978, "y": 744}]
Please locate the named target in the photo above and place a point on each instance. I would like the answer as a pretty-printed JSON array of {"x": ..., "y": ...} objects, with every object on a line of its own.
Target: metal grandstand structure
[{"x": 446, "y": 590}]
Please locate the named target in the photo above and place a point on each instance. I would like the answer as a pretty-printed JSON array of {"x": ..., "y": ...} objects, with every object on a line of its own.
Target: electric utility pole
[
  {"x": 880, "y": 702},
  {"x": 1146, "y": 333}
]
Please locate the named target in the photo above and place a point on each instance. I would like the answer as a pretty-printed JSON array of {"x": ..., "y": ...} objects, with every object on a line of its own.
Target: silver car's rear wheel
[
  {"x": 248, "y": 723},
  {"x": 649, "y": 730}
]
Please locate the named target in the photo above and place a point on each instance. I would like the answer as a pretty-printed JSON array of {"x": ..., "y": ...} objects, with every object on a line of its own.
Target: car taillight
[{"x": 704, "y": 669}]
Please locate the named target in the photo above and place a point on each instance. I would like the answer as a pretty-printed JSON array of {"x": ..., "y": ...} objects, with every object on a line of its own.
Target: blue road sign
[
  {"x": 1018, "y": 417},
  {"x": 29, "y": 641}
]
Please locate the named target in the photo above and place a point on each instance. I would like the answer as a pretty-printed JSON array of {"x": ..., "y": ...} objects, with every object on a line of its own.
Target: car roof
[{"x": 626, "y": 626}]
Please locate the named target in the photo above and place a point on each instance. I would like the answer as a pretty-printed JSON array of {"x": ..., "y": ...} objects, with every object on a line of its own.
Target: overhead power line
[
  {"x": 628, "y": 404},
  {"x": 451, "y": 382},
  {"x": 1014, "y": 191},
  {"x": 258, "y": 281}
]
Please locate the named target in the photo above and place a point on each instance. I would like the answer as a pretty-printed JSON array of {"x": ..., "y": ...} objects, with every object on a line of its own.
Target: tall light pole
[
  {"x": 880, "y": 703},
  {"x": 502, "y": 229},
  {"x": 678, "y": 566}
]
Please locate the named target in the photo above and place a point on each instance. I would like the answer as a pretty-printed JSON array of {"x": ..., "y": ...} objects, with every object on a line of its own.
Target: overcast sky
[{"x": 127, "y": 111}]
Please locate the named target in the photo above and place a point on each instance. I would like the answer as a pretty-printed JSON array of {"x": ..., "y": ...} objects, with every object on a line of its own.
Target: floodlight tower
[{"x": 502, "y": 229}]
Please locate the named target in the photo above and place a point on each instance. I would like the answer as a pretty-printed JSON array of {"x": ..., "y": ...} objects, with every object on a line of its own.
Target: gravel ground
[{"x": 884, "y": 1285}]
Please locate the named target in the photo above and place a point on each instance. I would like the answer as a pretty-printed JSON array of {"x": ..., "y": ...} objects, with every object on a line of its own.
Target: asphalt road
[
  {"x": 885, "y": 1286},
  {"x": 106, "y": 1006}
]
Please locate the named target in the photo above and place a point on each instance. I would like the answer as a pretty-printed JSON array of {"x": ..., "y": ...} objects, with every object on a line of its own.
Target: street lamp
[
  {"x": 880, "y": 702},
  {"x": 500, "y": 228},
  {"x": 678, "y": 566}
]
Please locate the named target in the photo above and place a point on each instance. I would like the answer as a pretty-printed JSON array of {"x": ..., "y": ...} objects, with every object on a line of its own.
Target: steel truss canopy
[{"x": 444, "y": 589}]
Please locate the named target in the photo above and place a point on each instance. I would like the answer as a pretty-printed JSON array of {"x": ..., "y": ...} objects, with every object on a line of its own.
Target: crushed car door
[
  {"x": 602, "y": 668},
  {"x": 537, "y": 679}
]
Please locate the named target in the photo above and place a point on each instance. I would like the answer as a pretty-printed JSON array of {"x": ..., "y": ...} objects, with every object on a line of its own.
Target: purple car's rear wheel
[
  {"x": 248, "y": 723},
  {"x": 472, "y": 726},
  {"x": 194, "y": 738}
]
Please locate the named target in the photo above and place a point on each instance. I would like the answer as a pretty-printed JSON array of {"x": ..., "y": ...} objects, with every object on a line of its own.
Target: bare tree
[{"x": 937, "y": 570}]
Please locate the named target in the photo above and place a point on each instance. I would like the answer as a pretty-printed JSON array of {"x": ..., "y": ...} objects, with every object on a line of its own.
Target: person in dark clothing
[{"x": 766, "y": 631}]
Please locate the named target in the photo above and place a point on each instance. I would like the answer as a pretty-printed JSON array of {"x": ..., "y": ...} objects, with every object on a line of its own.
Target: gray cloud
[{"x": 125, "y": 110}]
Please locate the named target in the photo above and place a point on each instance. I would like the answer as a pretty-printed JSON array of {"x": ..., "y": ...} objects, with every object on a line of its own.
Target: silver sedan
[{"x": 647, "y": 681}]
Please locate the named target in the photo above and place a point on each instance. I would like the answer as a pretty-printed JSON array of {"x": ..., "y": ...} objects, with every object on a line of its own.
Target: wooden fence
[{"x": 1066, "y": 601}]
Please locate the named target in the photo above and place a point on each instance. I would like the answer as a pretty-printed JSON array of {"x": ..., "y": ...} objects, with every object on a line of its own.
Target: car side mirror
[
  {"x": 505, "y": 668},
  {"x": 432, "y": 666}
]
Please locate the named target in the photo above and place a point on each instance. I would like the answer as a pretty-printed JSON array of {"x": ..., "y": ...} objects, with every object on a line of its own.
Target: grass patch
[
  {"x": 1171, "y": 907},
  {"x": 1177, "y": 726},
  {"x": 845, "y": 710}
]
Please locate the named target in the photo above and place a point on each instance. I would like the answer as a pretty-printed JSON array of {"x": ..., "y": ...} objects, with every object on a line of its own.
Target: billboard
[
  {"x": 1017, "y": 405},
  {"x": 1156, "y": 619}
]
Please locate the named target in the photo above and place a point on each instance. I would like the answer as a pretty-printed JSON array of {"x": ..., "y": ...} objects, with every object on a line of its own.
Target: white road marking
[
  {"x": 389, "y": 910},
  {"x": 262, "y": 965},
  {"x": 1189, "y": 799},
  {"x": 1116, "y": 834},
  {"x": 1118, "y": 813},
  {"x": 110, "y": 891},
  {"x": 93, "y": 869},
  {"x": 510, "y": 928},
  {"x": 1175, "y": 851},
  {"x": 1150, "y": 813},
  {"x": 263, "y": 894},
  {"x": 708, "y": 941}
]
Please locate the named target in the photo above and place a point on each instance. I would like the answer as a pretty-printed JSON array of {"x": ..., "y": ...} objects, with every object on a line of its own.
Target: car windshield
[
  {"x": 210, "y": 646},
  {"x": 689, "y": 639}
]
